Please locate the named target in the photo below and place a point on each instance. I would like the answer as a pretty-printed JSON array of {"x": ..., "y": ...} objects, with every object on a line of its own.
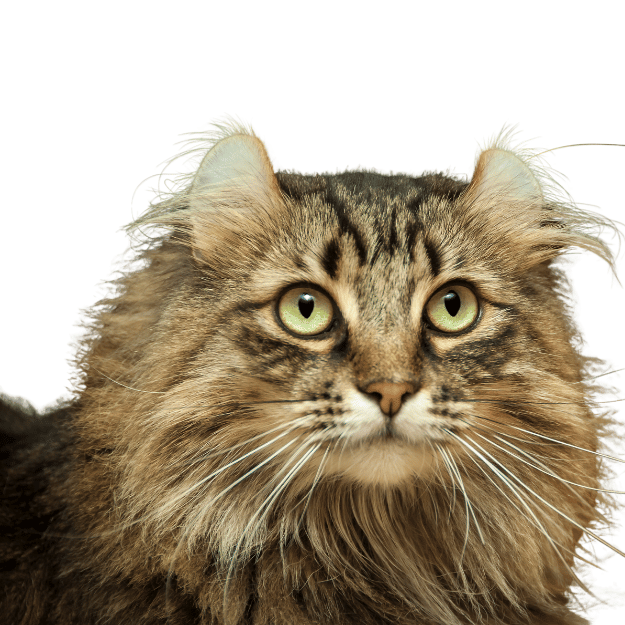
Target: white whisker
[
  {"x": 211, "y": 502},
  {"x": 455, "y": 485},
  {"x": 292, "y": 425},
  {"x": 469, "y": 513},
  {"x": 552, "y": 507},
  {"x": 534, "y": 520},
  {"x": 276, "y": 491},
  {"x": 539, "y": 466},
  {"x": 264, "y": 509},
  {"x": 245, "y": 475},
  {"x": 548, "y": 438},
  {"x": 313, "y": 485}
]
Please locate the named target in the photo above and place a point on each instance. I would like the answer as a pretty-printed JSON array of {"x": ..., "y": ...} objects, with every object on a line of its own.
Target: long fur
[{"x": 209, "y": 469}]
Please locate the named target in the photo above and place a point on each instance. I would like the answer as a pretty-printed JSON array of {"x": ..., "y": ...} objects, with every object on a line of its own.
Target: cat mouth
[
  {"x": 388, "y": 433},
  {"x": 385, "y": 458},
  {"x": 404, "y": 434}
]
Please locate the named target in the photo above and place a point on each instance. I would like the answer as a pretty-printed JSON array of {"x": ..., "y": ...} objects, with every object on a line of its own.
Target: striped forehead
[
  {"x": 377, "y": 231},
  {"x": 376, "y": 256}
]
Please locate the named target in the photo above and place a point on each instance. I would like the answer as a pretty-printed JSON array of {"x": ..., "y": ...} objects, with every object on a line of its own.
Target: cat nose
[{"x": 390, "y": 394}]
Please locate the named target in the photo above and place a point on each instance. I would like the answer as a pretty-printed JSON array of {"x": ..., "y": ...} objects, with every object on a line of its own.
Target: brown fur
[{"x": 212, "y": 467}]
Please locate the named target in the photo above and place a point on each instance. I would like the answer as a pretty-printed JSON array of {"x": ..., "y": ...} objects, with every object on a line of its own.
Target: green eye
[
  {"x": 453, "y": 308},
  {"x": 305, "y": 311}
]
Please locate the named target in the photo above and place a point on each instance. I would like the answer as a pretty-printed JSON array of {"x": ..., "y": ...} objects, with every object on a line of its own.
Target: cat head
[
  {"x": 369, "y": 357},
  {"x": 380, "y": 309}
]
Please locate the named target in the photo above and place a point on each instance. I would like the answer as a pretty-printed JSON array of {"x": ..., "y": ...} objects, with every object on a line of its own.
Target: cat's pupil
[
  {"x": 452, "y": 303},
  {"x": 306, "y": 304}
]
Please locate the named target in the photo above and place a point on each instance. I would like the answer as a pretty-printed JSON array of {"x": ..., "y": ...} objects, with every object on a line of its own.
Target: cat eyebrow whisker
[{"x": 578, "y": 145}]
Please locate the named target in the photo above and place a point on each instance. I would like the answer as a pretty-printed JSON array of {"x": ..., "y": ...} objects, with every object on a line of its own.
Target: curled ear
[
  {"x": 238, "y": 162},
  {"x": 502, "y": 175},
  {"x": 507, "y": 210},
  {"x": 234, "y": 197}
]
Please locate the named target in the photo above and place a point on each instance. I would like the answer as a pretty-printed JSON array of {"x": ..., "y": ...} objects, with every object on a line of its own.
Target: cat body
[{"x": 328, "y": 399}]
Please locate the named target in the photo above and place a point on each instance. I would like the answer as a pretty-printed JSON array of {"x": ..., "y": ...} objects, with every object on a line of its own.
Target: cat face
[
  {"x": 377, "y": 370},
  {"x": 376, "y": 319}
]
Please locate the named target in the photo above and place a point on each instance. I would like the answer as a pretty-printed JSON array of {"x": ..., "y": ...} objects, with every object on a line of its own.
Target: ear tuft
[
  {"x": 502, "y": 174},
  {"x": 234, "y": 201},
  {"x": 239, "y": 161}
]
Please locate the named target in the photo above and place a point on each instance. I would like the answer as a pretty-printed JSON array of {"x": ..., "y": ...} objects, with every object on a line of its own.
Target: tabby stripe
[
  {"x": 414, "y": 204},
  {"x": 411, "y": 236},
  {"x": 256, "y": 344},
  {"x": 330, "y": 258},
  {"x": 346, "y": 227},
  {"x": 361, "y": 249},
  {"x": 433, "y": 257},
  {"x": 489, "y": 352},
  {"x": 377, "y": 250},
  {"x": 299, "y": 262},
  {"x": 392, "y": 240}
]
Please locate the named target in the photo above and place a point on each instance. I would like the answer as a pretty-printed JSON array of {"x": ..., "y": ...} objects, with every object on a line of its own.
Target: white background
[{"x": 95, "y": 97}]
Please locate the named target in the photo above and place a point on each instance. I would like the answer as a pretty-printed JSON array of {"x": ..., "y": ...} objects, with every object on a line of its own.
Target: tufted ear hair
[
  {"x": 506, "y": 209},
  {"x": 237, "y": 163},
  {"x": 519, "y": 223},
  {"x": 234, "y": 200},
  {"x": 501, "y": 174}
]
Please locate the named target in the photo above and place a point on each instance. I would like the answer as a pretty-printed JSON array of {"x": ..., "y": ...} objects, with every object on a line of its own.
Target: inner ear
[
  {"x": 240, "y": 162},
  {"x": 502, "y": 174},
  {"x": 234, "y": 199}
]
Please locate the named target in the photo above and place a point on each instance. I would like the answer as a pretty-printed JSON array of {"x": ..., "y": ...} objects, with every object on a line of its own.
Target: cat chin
[{"x": 384, "y": 462}]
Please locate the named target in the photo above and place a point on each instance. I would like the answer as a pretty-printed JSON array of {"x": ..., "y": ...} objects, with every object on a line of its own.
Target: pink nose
[{"x": 390, "y": 395}]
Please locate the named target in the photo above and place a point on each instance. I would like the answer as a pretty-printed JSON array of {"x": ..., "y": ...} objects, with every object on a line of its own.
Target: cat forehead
[
  {"x": 382, "y": 214},
  {"x": 372, "y": 218},
  {"x": 368, "y": 187}
]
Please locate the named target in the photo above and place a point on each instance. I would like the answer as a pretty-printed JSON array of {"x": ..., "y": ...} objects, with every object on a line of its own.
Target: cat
[{"x": 318, "y": 399}]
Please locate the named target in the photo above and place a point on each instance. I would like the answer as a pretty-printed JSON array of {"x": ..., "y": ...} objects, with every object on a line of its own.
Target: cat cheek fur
[{"x": 218, "y": 468}]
